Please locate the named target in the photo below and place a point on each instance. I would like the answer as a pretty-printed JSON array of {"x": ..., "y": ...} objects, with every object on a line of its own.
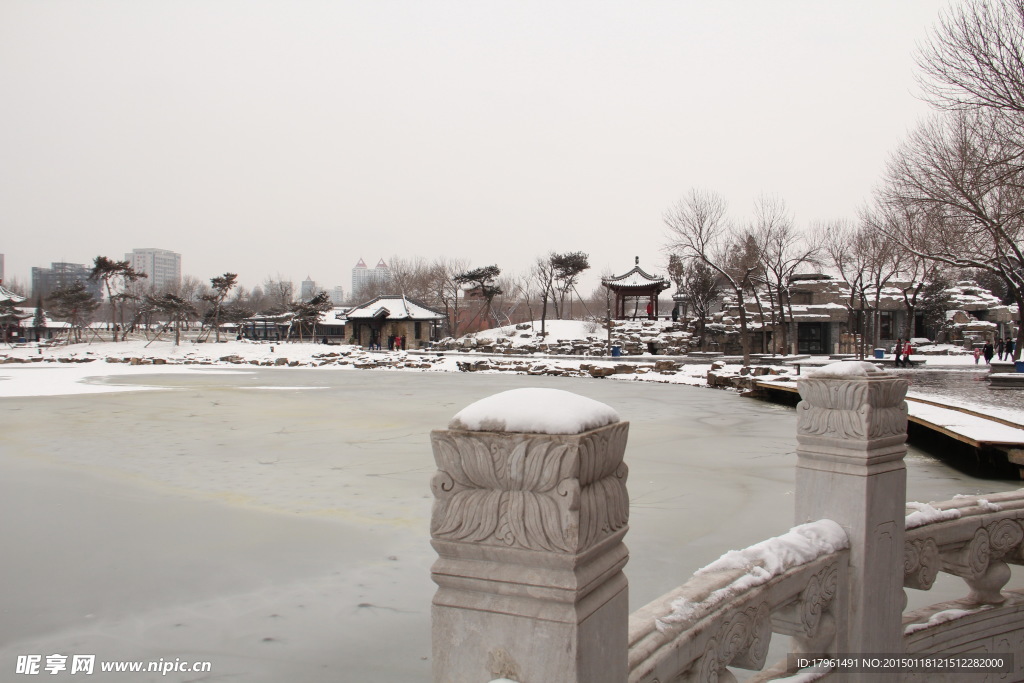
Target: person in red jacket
[{"x": 907, "y": 350}]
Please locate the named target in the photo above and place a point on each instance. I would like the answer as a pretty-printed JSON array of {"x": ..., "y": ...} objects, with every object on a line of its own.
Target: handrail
[{"x": 726, "y": 613}]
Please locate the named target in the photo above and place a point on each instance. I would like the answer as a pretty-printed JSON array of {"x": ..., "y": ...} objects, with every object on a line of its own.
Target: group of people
[
  {"x": 901, "y": 353},
  {"x": 1002, "y": 348}
]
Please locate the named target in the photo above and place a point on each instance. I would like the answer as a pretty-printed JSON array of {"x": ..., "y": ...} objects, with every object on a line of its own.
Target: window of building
[{"x": 886, "y": 325}]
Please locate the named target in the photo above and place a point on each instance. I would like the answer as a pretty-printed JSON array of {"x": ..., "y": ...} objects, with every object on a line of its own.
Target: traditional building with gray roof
[{"x": 387, "y": 317}]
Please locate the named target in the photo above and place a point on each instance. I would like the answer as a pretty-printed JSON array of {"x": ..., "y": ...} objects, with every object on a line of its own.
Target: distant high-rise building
[
  {"x": 61, "y": 274},
  {"x": 1, "y": 269},
  {"x": 363, "y": 277},
  {"x": 338, "y": 296},
  {"x": 308, "y": 289},
  {"x": 161, "y": 266}
]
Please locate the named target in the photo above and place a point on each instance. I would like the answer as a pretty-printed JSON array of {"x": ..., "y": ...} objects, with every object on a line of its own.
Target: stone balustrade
[
  {"x": 975, "y": 538},
  {"x": 531, "y": 510}
]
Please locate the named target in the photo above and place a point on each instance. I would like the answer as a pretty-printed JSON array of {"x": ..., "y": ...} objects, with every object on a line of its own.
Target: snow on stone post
[
  {"x": 851, "y": 436},
  {"x": 530, "y": 511}
]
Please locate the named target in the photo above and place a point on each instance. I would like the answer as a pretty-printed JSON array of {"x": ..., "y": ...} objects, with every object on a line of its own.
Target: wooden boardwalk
[{"x": 974, "y": 429}]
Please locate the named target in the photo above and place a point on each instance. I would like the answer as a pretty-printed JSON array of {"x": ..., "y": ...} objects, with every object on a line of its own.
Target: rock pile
[{"x": 633, "y": 337}]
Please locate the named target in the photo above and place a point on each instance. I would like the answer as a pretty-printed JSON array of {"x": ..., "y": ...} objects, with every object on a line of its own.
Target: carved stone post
[
  {"x": 851, "y": 435},
  {"x": 528, "y": 528}
]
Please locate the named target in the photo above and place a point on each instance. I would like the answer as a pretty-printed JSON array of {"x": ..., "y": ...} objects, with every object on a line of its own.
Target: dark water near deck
[{"x": 962, "y": 387}]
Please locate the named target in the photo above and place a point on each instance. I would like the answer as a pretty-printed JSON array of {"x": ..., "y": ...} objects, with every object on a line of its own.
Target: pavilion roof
[
  {"x": 637, "y": 278},
  {"x": 8, "y": 295},
  {"x": 393, "y": 307}
]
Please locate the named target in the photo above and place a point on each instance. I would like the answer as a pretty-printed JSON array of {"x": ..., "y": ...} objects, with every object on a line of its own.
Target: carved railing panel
[
  {"x": 974, "y": 538},
  {"x": 530, "y": 491}
]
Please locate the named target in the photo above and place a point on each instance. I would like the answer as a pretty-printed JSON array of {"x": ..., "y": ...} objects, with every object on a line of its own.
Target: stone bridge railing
[{"x": 531, "y": 510}]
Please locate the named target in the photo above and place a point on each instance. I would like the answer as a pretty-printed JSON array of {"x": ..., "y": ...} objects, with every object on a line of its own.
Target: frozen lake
[
  {"x": 968, "y": 385},
  {"x": 275, "y": 522}
]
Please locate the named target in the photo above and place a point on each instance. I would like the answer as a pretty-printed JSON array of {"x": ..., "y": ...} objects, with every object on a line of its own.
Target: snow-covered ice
[{"x": 275, "y": 520}]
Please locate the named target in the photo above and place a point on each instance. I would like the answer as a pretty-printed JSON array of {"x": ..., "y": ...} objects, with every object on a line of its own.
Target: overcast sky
[{"x": 295, "y": 137}]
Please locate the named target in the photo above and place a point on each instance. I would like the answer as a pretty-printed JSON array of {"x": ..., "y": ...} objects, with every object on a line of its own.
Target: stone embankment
[{"x": 540, "y": 367}]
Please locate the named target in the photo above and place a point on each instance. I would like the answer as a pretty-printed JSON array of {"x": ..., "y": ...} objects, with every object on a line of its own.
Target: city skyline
[{"x": 267, "y": 140}]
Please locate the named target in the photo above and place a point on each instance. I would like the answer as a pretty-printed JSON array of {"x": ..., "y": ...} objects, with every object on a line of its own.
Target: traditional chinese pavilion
[{"x": 637, "y": 286}]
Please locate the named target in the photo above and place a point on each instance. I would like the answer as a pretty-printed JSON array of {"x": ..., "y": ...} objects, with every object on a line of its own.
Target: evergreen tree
[
  {"x": 307, "y": 313},
  {"x": 39, "y": 319},
  {"x": 75, "y": 305},
  {"x": 116, "y": 276},
  {"x": 222, "y": 285}
]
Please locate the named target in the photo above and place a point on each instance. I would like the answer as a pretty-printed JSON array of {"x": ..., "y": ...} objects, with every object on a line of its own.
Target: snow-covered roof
[
  {"x": 25, "y": 312},
  {"x": 8, "y": 295},
  {"x": 636, "y": 278},
  {"x": 335, "y": 316},
  {"x": 393, "y": 307}
]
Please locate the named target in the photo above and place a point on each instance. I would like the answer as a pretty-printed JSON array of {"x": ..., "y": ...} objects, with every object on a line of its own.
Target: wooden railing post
[
  {"x": 528, "y": 528},
  {"x": 851, "y": 435}
]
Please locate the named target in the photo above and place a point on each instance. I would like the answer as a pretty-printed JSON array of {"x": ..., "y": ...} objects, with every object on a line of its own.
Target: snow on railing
[
  {"x": 975, "y": 538},
  {"x": 726, "y": 613},
  {"x": 531, "y": 511}
]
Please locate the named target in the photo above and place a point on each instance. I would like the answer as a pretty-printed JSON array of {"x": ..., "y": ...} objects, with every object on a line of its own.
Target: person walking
[
  {"x": 988, "y": 352},
  {"x": 907, "y": 350},
  {"x": 999, "y": 348},
  {"x": 977, "y": 355},
  {"x": 897, "y": 352},
  {"x": 1010, "y": 346}
]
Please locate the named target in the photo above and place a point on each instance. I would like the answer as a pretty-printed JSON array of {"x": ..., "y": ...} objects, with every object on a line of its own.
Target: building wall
[
  {"x": 161, "y": 266},
  {"x": 61, "y": 274},
  {"x": 363, "y": 276},
  {"x": 415, "y": 333},
  {"x": 307, "y": 289}
]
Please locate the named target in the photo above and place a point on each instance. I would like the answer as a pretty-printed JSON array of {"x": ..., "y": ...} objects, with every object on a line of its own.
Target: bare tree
[
  {"x": 446, "y": 292},
  {"x": 843, "y": 250},
  {"x": 784, "y": 250},
  {"x": 884, "y": 259},
  {"x": 916, "y": 271},
  {"x": 542, "y": 275},
  {"x": 279, "y": 294},
  {"x": 411, "y": 277},
  {"x": 962, "y": 178},
  {"x": 699, "y": 228},
  {"x": 14, "y": 284},
  {"x": 975, "y": 57}
]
